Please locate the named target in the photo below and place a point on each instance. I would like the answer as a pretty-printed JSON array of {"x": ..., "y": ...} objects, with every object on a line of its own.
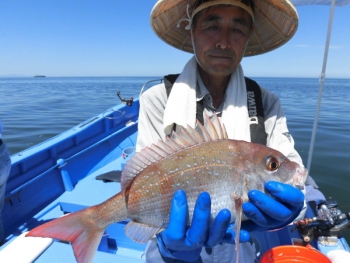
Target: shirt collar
[
  {"x": 201, "y": 90},
  {"x": 202, "y": 93}
]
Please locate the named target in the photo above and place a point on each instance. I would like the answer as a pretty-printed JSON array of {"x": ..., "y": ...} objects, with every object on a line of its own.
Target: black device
[{"x": 329, "y": 222}]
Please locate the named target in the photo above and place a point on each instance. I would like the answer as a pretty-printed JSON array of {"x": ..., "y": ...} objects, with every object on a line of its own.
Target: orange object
[{"x": 294, "y": 254}]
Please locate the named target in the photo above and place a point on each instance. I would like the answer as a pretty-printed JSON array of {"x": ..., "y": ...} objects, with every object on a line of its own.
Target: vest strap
[{"x": 254, "y": 103}]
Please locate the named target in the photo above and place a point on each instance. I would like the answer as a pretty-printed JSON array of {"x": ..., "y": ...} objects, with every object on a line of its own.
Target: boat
[
  {"x": 48, "y": 180},
  {"x": 39, "y": 76},
  {"x": 82, "y": 167}
]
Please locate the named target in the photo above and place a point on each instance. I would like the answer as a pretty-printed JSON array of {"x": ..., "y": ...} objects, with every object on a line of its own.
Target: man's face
[{"x": 220, "y": 36}]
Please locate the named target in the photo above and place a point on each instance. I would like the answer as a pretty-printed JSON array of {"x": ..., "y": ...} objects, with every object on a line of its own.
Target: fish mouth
[{"x": 300, "y": 177}]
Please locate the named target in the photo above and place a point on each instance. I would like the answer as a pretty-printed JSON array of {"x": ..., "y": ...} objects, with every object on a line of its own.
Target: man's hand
[
  {"x": 183, "y": 243},
  {"x": 265, "y": 213},
  {"x": 275, "y": 211}
]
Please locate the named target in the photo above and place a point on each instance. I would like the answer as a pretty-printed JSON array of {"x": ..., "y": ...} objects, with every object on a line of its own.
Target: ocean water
[{"x": 35, "y": 109}]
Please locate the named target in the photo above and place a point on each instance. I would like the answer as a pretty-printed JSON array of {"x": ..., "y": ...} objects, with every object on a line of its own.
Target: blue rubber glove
[
  {"x": 186, "y": 244},
  {"x": 275, "y": 211}
]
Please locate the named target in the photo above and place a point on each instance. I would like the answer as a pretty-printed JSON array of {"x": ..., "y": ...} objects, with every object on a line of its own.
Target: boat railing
[
  {"x": 144, "y": 85},
  {"x": 62, "y": 161}
]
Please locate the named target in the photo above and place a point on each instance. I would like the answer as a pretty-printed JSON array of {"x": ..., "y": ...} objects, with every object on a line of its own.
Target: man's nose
[{"x": 223, "y": 40}]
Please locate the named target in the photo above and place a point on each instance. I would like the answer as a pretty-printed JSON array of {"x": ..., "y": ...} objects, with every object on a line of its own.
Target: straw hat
[{"x": 275, "y": 22}]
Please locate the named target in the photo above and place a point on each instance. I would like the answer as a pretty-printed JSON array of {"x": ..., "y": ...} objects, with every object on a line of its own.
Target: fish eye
[{"x": 272, "y": 164}]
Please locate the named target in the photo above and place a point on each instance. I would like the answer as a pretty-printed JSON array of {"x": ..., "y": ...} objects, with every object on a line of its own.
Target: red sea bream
[{"x": 195, "y": 160}]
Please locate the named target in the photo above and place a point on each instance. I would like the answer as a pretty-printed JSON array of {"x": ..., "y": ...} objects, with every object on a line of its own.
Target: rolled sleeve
[
  {"x": 150, "y": 125},
  {"x": 276, "y": 127}
]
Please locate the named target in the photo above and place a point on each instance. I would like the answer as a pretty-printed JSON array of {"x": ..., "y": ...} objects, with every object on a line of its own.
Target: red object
[{"x": 294, "y": 254}]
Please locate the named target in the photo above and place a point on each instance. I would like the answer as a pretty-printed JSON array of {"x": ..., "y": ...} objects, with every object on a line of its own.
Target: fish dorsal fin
[
  {"x": 203, "y": 132},
  {"x": 171, "y": 143},
  {"x": 167, "y": 147},
  {"x": 161, "y": 149},
  {"x": 180, "y": 139},
  {"x": 224, "y": 132},
  {"x": 139, "y": 232},
  {"x": 219, "y": 127},
  {"x": 138, "y": 162},
  {"x": 183, "y": 138},
  {"x": 191, "y": 135},
  {"x": 210, "y": 127}
]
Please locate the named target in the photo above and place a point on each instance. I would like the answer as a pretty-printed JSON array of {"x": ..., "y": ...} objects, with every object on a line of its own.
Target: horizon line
[{"x": 158, "y": 76}]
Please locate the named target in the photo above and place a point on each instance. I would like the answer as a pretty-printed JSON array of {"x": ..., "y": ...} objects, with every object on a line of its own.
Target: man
[
  {"x": 5, "y": 165},
  {"x": 219, "y": 33}
]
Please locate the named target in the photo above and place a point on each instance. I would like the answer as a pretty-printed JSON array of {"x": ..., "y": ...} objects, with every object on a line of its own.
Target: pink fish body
[{"x": 192, "y": 160}]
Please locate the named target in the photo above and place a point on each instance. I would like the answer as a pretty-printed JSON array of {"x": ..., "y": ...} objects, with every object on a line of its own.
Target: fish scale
[
  {"x": 188, "y": 175},
  {"x": 192, "y": 160}
]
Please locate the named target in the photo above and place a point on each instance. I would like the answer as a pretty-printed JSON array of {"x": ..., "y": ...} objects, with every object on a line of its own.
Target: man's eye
[
  {"x": 212, "y": 28},
  {"x": 237, "y": 31}
]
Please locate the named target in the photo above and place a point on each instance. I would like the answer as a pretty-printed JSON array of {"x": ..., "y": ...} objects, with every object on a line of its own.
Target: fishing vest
[{"x": 254, "y": 103}]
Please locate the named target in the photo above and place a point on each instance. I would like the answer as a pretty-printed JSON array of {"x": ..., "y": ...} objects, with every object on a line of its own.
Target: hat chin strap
[{"x": 188, "y": 27}]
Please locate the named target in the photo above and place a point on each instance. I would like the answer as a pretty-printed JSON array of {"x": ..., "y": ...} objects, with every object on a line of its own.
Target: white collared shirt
[
  {"x": 202, "y": 93},
  {"x": 152, "y": 106}
]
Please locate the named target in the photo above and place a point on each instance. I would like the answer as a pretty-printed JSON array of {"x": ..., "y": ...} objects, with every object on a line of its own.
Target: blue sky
[{"x": 114, "y": 38}]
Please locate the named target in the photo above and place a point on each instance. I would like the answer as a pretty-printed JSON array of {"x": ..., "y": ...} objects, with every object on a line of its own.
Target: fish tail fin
[{"x": 79, "y": 228}]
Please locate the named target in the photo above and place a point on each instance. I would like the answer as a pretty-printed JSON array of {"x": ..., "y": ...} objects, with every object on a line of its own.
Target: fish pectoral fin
[
  {"x": 238, "y": 201},
  {"x": 139, "y": 232}
]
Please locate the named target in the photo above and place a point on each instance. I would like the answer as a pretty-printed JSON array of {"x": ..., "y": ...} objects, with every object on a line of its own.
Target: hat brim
[{"x": 275, "y": 23}]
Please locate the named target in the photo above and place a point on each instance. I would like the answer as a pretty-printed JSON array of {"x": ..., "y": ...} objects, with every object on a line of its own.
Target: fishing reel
[{"x": 330, "y": 222}]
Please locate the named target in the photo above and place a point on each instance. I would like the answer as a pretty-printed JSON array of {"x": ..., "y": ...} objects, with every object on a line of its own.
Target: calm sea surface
[{"x": 35, "y": 109}]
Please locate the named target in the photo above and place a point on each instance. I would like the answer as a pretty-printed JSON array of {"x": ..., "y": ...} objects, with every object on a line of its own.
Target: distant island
[{"x": 39, "y": 76}]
